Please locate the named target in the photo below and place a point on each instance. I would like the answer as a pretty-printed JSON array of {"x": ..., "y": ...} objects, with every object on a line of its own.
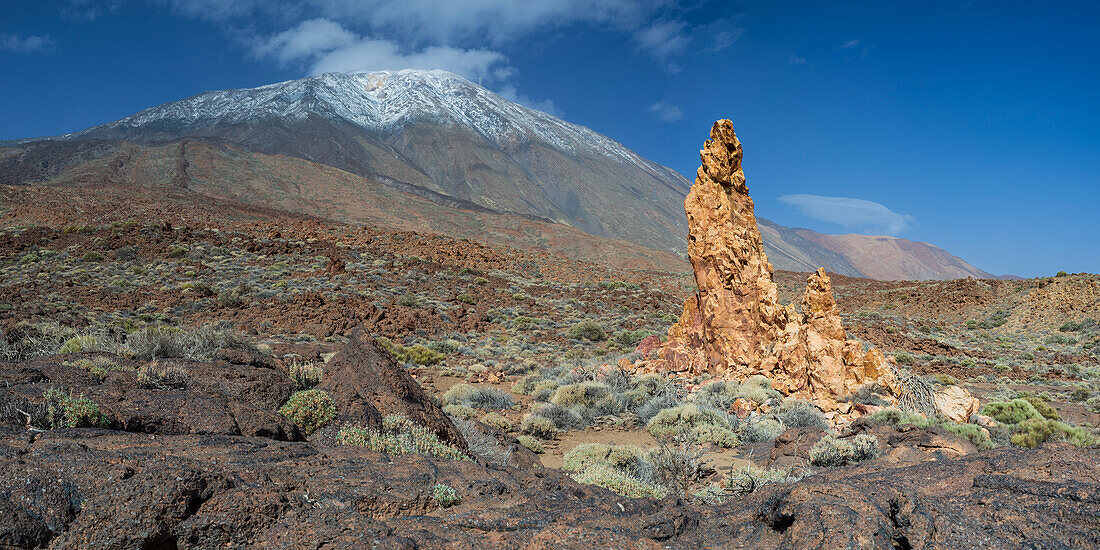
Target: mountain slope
[
  {"x": 434, "y": 133},
  {"x": 890, "y": 258},
  {"x": 228, "y": 172},
  {"x": 294, "y": 185},
  {"x": 790, "y": 251}
]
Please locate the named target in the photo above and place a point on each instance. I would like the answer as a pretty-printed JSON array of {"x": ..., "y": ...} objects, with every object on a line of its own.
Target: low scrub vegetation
[
  {"x": 444, "y": 496},
  {"x": 305, "y": 374},
  {"x": 399, "y": 436},
  {"x": 309, "y": 409},
  {"x": 198, "y": 344},
  {"x": 833, "y": 451},
  {"x": 744, "y": 481},
  {"x": 632, "y": 472},
  {"x": 68, "y": 410},
  {"x": 477, "y": 397},
  {"x": 162, "y": 377}
]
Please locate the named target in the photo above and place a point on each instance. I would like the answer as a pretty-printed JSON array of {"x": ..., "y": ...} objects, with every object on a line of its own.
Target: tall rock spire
[{"x": 734, "y": 327}]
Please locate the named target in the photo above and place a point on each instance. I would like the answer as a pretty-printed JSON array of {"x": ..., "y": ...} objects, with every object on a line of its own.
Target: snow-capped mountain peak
[{"x": 377, "y": 101}]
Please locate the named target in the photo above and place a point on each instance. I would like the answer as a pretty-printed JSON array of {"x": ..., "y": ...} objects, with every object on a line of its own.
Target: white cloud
[
  {"x": 795, "y": 60},
  {"x": 326, "y": 46},
  {"x": 382, "y": 54},
  {"x": 305, "y": 41},
  {"x": 226, "y": 11},
  {"x": 666, "y": 111},
  {"x": 664, "y": 39},
  {"x": 510, "y": 93},
  {"x": 25, "y": 44},
  {"x": 724, "y": 39},
  {"x": 498, "y": 21},
  {"x": 849, "y": 44},
  {"x": 90, "y": 9},
  {"x": 853, "y": 213}
]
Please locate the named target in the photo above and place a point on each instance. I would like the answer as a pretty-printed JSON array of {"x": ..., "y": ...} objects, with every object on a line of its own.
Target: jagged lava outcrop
[{"x": 734, "y": 326}]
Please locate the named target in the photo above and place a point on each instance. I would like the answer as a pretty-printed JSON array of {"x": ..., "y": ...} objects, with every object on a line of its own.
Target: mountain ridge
[{"x": 439, "y": 137}]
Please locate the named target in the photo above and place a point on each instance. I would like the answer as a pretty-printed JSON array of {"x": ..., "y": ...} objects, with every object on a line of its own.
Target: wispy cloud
[
  {"x": 848, "y": 45},
  {"x": 666, "y": 111},
  {"x": 90, "y": 10},
  {"x": 326, "y": 46},
  {"x": 851, "y": 213},
  {"x": 795, "y": 60},
  {"x": 25, "y": 44},
  {"x": 510, "y": 93},
  {"x": 468, "y": 37},
  {"x": 663, "y": 40}
]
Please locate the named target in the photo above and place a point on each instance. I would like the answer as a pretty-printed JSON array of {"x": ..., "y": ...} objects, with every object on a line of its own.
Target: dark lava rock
[
  {"x": 366, "y": 383},
  {"x": 91, "y": 488}
]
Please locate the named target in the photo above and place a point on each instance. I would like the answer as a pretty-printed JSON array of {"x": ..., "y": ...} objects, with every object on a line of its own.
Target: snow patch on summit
[{"x": 384, "y": 102}]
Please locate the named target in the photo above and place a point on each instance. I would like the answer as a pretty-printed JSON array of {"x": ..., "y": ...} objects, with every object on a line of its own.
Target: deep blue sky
[{"x": 973, "y": 126}]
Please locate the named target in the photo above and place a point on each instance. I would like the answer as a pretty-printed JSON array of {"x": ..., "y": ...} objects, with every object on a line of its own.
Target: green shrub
[
  {"x": 69, "y": 411},
  {"x": 619, "y": 482},
  {"x": 587, "y": 330},
  {"x": 585, "y": 395},
  {"x": 1041, "y": 406},
  {"x": 444, "y": 495},
  {"x": 199, "y": 344},
  {"x": 477, "y": 397},
  {"x": 1035, "y": 431},
  {"x": 466, "y": 299},
  {"x": 684, "y": 419},
  {"x": 1080, "y": 395},
  {"x": 831, "y": 451},
  {"x": 762, "y": 429},
  {"x": 1059, "y": 339},
  {"x": 162, "y": 377},
  {"x": 945, "y": 379},
  {"x": 744, "y": 481},
  {"x": 795, "y": 413},
  {"x": 756, "y": 388},
  {"x": 561, "y": 418},
  {"x": 460, "y": 411},
  {"x": 91, "y": 256},
  {"x": 628, "y": 340},
  {"x": 409, "y": 300},
  {"x": 969, "y": 432},
  {"x": 532, "y": 444},
  {"x": 305, "y": 374},
  {"x": 418, "y": 354},
  {"x": 309, "y": 409},
  {"x": 538, "y": 426},
  {"x": 235, "y": 297},
  {"x": 644, "y": 387},
  {"x": 1010, "y": 412},
  {"x": 77, "y": 344},
  {"x": 98, "y": 367},
  {"x": 718, "y": 435},
  {"x": 399, "y": 436},
  {"x": 623, "y": 458},
  {"x": 497, "y": 421}
]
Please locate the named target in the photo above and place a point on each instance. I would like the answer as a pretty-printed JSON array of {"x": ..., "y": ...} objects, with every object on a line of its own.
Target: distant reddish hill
[{"x": 890, "y": 258}]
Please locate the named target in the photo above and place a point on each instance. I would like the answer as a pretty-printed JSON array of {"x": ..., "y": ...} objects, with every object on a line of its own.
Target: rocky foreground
[{"x": 209, "y": 465}]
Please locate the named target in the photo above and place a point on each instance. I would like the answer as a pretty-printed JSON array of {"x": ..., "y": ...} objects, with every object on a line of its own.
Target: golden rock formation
[{"x": 734, "y": 326}]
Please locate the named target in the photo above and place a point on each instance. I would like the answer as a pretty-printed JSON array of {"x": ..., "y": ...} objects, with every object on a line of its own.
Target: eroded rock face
[
  {"x": 366, "y": 384},
  {"x": 734, "y": 326}
]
